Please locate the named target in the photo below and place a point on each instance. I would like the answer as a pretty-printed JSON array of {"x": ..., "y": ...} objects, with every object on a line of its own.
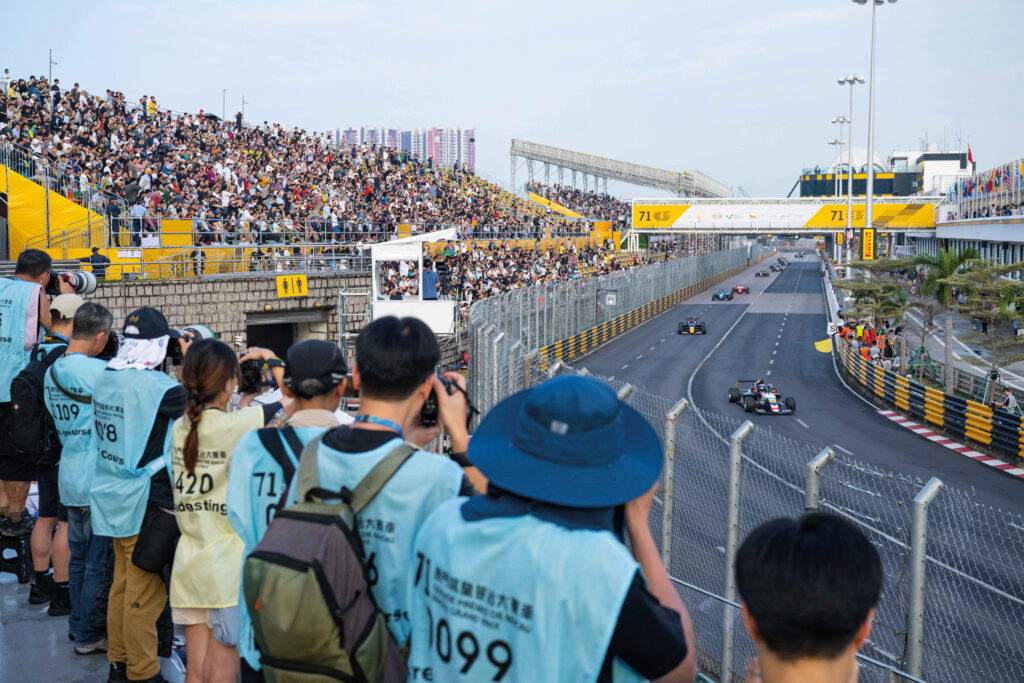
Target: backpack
[
  {"x": 36, "y": 439},
  {"x": 307, "y": 585}
]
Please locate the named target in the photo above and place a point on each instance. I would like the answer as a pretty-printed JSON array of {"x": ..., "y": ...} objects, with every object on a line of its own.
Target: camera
[
  {"x": 430, "y": 411},
  {"x": 83, "y": 282},
  {"x": 194, "y": 333},
  {"x": 110, "y": 350},
  {"x": 250, "y": 376}
]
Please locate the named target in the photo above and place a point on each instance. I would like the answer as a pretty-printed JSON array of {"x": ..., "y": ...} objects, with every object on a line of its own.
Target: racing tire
[
  {"x": 734, "y": 395},
  {"x": 790, "y": 403},
  {"x": 748, "y": 404}
]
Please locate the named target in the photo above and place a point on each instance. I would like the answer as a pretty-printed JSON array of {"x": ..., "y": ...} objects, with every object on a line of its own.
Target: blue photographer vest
[
  {"x": 125, "y": 405},
  {"x": 515, "y": 599},
  {"x": 16, "y": 299},
  {"x": 390, "y": 522},
  {"x": 255, "y": 485},
  {"x": 78, "y": 374}
]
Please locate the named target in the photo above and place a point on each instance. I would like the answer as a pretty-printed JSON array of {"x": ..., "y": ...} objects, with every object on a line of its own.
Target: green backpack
[{"x": 307, "y": 588}]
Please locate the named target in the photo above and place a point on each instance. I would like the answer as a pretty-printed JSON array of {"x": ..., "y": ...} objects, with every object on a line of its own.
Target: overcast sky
[{"x": 743, "y": 90}]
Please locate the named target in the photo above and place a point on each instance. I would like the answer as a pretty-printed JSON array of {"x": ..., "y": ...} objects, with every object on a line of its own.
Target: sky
[{"x": 742, "y": 90}]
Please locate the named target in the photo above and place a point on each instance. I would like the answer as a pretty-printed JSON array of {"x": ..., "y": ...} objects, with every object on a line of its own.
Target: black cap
[
  {"x": 147, "y": 323},
  {"x": 314, "y": 367}
]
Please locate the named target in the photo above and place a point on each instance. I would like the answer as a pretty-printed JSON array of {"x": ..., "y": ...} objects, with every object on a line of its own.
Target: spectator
[
  {"x": 315, "y": 377},
  {"x": 24, "y": 313},
  {"x": 99, "y": 263},
  {"x": 809, "y": 588},
  {"x": 50, "y": 533},
  {"x": 430, "y": 281},
  {"x": 131, "y": 498},
  {"x": 394, "y": 374},
  {"x": 576, "y": 602},
  {"x": 1008, "y": 402},
  {"x": 68, "y": 396},
  {"x": 208, "y": 558}
]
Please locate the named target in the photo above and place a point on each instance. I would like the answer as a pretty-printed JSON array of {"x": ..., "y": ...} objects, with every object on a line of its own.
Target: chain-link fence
[{"x": 953, "y": 599}]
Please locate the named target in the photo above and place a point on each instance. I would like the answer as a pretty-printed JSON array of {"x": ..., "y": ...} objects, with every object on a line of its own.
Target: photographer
[
  {"x": 131, "y": 499},
  {"x": 68, "y": 388},
  {"x": 208, "y": 559},
  {"x": 24, "y": 309},
  {"x": 394, "y": 375},
  {"x": 264, "y": 461},
  {"x": 52, "y": 513}
]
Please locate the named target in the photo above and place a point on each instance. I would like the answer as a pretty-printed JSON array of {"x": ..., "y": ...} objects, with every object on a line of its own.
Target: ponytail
[{"x": 208, "y": 366}]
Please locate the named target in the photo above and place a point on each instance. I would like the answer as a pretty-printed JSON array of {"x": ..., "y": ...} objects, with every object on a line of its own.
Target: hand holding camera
[{"x": 447, "y": 407}]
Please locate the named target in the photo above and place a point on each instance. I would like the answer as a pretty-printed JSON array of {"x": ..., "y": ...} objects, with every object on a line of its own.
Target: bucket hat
[{"x": 569, "y": 441}]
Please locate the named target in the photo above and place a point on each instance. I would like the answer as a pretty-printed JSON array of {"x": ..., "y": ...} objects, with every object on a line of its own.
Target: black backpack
[{"x": 33, "y": 437}]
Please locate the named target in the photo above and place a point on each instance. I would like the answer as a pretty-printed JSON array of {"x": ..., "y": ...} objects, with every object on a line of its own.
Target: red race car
[{"x": 740, "y": 289}]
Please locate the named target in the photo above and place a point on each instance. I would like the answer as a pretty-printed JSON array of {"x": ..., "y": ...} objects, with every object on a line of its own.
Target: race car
[
  {"x": 740, "y": 289},
  {"x": 692, "y": 326},
  {"x": 776, "y": 268},
  {"x": 721, "y": 295},
  {"x": 761, "y": 398},
  {"x": 800, "y": 254},
  {"x": 761, "y": 273}
]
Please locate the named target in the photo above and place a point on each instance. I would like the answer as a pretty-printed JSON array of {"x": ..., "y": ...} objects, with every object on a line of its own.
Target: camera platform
[{"x": 21, "y": 564}]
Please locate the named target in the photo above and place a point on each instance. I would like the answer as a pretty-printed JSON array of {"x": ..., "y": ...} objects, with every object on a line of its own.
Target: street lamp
[
  {"x": 851, "y": 80},
  {"x": 869, "y": 191},
  {"x": 835, "y": 178},
  {"x": 841, "y": 120},
  {"x": 223, "y": 104}
]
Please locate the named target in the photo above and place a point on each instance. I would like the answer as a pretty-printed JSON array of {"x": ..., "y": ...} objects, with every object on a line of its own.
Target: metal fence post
[
  {"x": 528, "y": 368},
  {"x": 668, "y": 470},
  {"x": 495, "y": 372},
  {"x": 513, "y": 365},
  {"x": 625, "y": 391},
  {"x": 814, "y": 467},
  {"x": 732, "y": 531},
  {"x": 918, "y": 562}
]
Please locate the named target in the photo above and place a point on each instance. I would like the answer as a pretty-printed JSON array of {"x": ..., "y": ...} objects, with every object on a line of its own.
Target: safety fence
[
  {"x": 959, "y": 417},
  {"x": 953, "y": 599}
]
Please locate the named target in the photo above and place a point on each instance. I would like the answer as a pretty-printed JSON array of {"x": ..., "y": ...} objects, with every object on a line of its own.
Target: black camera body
[
  {"x": 110, "y": 349},
  {"x": 250, "y": 376},
  {"x": 430, "y": 412}
]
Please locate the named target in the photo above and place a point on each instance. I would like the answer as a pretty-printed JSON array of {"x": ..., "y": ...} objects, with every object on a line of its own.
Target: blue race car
[{"x": 722, "y": 295}]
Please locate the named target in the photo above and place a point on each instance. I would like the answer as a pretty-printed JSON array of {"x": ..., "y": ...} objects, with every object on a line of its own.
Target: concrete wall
[{"x": 222, "y": 304}]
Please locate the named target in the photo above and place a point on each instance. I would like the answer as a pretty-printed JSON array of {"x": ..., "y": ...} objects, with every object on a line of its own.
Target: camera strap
[
  {"x": 390, "y": 424},
  {"x": 78, "y": 398}
]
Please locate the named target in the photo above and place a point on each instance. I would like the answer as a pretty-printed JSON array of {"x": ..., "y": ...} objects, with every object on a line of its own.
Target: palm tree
[{"x": 937, "y": 284}]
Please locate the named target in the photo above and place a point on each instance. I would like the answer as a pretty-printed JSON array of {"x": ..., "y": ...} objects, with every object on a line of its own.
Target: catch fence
[{"x": 953, "y": 599}]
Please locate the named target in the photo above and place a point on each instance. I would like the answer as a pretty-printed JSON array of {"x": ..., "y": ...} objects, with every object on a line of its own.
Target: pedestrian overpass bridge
[{"x": 780, "y": 216}]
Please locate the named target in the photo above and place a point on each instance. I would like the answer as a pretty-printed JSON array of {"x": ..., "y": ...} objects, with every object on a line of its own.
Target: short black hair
[
  {"x": 33, "y": 262},
  {"x": 808, "y": 583},
  {"x": 394, "y": 356},
  {"x": 91, "y": 318}
]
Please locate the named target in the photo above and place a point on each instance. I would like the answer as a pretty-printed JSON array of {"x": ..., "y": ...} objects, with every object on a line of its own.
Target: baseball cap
[
  {"x": 314, "y": 367},
  {"x": 147, "y": 323},
  {"x": 66, "y": 304}
]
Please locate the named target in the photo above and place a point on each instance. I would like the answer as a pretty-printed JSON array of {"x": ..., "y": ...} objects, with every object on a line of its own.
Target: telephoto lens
[{"x": 82, "y": 281}]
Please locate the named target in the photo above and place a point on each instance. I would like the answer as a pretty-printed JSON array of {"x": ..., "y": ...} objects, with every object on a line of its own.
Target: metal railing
[{"x": 954, "y": 594}]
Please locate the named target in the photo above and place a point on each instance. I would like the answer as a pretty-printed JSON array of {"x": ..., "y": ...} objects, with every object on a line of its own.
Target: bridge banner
[
  {"x": 869, "y": 244},
  {"x": 812, "y": 215}
]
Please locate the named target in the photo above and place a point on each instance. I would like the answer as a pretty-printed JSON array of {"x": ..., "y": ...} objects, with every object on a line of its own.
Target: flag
[
  {"x": 970, "y": 157},
  {"x": 825, "y": 346}
]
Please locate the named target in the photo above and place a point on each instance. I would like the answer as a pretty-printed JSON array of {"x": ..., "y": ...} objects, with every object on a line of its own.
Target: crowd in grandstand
[
  {"x": 593, "y": 205},
  {"x": 260, "y": 184},
  {"x": 993, "y": 211}
]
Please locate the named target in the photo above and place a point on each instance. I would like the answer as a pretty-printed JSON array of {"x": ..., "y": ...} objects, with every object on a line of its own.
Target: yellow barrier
[{"x": 27, "y": 207}]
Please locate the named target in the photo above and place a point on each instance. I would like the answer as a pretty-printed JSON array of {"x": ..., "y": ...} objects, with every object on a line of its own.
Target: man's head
[
  {"x": 315, "y": 370},
  {"x": 62, "y": 313},
  {"x": 95, "y": 250},
  {"x": 92, "y": 326},
  {"x": 395, "y": 359},
  {"x": 34, "y": 266},
  {"x": 809, "y": 586},
  {"x": 428, "y": 264}
]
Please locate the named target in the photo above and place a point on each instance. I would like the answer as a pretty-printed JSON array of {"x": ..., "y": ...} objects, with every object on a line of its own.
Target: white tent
[{"x": 439, "y": 315}]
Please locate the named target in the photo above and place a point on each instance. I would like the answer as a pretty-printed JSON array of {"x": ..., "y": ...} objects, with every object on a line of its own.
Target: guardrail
[{"x": 955, "y": 415}]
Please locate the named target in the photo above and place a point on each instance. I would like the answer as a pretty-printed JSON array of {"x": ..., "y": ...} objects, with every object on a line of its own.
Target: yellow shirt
[{"x": 208, "y": 562}]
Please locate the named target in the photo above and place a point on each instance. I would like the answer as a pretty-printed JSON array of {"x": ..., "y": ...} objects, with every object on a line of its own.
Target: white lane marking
[
  {"x": 625, "y": 366},
  {"x": 835, "y": 445},
  {"x": 775, "y": 352},
  {"x": 769, "y": 373},
  {"x": 640, "y": 356},
  {"x": 662, "y": 341},
  {"x": 803, "y": 423},
  {"x": 771, "y": 362},
  {"x": 651, "y": 349},
  {"x": 776, "y": 343},
  {"x": 779, "y": 337}
]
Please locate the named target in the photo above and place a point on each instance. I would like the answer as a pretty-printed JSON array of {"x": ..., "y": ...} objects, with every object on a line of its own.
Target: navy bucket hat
[{"x": 569, "y": 441}]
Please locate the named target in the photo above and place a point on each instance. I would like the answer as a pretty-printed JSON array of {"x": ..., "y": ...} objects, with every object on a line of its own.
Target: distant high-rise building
[{"x": 448, "y": 147}]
